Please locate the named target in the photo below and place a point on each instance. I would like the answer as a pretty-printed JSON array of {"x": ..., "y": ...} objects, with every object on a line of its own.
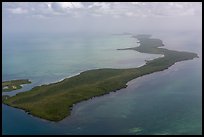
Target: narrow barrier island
[
  {"x": 54, "y": 101},
  {"x": 13, "y": 84}
]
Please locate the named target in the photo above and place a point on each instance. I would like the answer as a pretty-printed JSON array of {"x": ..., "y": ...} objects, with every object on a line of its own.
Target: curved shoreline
[
  {"x": 11, "y": 85},
  {"x": 51, "y": 101}
]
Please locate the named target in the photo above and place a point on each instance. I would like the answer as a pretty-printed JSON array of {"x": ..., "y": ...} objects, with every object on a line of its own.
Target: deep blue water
[{"x": 167, "y": 102}]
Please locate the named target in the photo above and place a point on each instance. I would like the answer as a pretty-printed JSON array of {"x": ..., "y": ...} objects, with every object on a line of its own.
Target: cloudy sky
[{"x": 112, "y": 17}]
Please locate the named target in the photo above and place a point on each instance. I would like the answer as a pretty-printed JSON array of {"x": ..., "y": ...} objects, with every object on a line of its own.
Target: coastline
[
  {"x": 78, "y": 73},
  {"x": 11, "y": 85},
  {"x": 120, "y": 71},
  {"x": 109, "y": 101}
]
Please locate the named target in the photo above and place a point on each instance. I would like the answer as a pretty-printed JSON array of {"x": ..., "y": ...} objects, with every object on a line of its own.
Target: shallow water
[
  {"x": 45, "y": 60},
  {"x": 167, "y": 102}
]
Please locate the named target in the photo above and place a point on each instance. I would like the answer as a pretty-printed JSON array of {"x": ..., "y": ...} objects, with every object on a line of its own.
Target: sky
[{"x": 100, "y": 17}]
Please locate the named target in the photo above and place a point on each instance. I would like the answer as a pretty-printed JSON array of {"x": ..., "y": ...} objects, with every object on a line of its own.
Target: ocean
[{"x": 166, "y": 102}]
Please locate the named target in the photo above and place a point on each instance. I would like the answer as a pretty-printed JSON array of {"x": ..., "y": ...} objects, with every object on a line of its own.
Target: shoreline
[
  {"x": 12, "y": 85},
  {"x": 112, "y": 85},
  {"x": 75, "y": 74},
  {"x": 83, "y": 101}
]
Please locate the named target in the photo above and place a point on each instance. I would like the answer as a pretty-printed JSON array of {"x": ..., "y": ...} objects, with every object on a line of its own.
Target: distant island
[
  {"x": 54, "y": 101},
  {"x": 13, "y": 84}
]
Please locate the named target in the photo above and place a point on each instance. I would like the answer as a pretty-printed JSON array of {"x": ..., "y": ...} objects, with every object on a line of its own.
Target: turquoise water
[
  {"x": 49, "y": 59},
  {"x": 167, "y": 102}
]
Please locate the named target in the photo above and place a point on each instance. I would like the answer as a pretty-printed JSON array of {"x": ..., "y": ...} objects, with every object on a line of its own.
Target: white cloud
[
  {"x": 135, "y": 3},
  {"x": 100, "y": 5},
  {"x": 71, "y": 5},
  {"x": 98, "y": 9},
  {"x": 18, "y": 11}
]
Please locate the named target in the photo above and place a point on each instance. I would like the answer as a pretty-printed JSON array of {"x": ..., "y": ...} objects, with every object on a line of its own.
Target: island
[
  {"x": 5, "y": 97},
  {"x": 54, "y": 102},
  {"x": 13, "y": 84}
]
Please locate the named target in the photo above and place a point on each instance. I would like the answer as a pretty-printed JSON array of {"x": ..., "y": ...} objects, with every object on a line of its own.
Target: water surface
[{"x": 166, "y": 102}]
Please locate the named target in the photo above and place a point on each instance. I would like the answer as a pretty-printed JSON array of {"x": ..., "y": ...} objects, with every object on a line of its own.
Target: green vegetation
[
  {"x": 13, "y": 84},
  {"x": 5, "y": 97},
  {"x": 54, "y": 101}
]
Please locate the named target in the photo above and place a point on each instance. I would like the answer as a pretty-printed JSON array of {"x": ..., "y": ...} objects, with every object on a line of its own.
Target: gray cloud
[
  {"x": 113, "y": 9},
  {"x": 112, "y": 17}
]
